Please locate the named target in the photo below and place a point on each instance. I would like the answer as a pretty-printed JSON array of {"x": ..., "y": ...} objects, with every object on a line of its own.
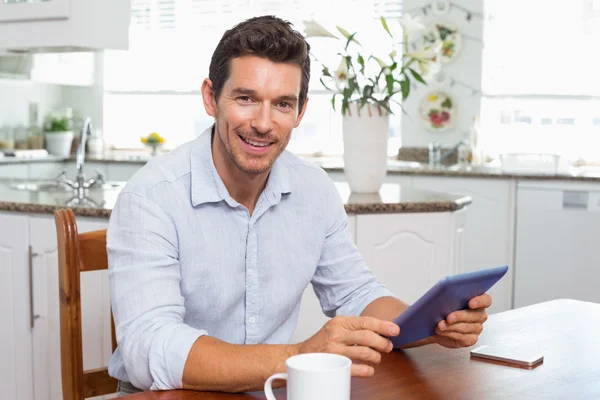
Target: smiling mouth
[{"x": 255, "y": 143}]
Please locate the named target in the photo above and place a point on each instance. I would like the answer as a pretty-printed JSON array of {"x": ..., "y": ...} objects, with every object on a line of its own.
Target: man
[{"x": 212, "y": 245}]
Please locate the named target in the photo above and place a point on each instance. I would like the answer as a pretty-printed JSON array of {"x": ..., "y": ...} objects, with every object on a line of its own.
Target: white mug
[{"x": 315, "y": 376}]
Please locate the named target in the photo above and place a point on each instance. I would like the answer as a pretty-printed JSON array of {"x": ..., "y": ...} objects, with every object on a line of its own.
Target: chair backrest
[{"x": 78, "y": 253}]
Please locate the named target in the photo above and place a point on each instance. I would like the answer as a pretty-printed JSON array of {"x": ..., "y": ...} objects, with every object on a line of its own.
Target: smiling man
[{"x": 212, "y": 245}]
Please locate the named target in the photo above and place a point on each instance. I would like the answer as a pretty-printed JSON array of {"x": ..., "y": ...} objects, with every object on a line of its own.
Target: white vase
[
  {"x": 59, "y": 143},
  {"x": 365, "y": 148}
]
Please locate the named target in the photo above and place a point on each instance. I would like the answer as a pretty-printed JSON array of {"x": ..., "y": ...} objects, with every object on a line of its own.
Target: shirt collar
[{"x": 208, "y": 187}]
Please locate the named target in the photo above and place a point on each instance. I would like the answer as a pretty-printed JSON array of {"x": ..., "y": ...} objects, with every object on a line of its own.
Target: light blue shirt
[{"x": 186, "y": 259}]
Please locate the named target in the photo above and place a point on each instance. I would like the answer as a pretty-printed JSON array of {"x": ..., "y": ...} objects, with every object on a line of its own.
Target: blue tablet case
[{"x": 448, "y": 295}]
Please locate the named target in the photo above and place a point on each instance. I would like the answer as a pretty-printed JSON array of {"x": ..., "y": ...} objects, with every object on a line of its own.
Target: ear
[
  {"x": 301, "y": 115},
  {"x": 208, "y": 98}
]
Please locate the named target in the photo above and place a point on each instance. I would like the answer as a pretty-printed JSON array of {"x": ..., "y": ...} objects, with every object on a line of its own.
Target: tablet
[{"x": 448, "y": 295}]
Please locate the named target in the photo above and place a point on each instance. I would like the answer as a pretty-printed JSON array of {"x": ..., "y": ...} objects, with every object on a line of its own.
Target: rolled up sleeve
[
  {"x": 343, "y": 282},
  {"x": 147, "y": 303}
]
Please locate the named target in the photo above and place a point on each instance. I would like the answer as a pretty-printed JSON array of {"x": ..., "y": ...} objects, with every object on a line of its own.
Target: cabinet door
[
  {"x": 16, "y": 378},
  {"x": 489, "y": 227},
  {"x": 95, "y": 309},
  {"x": 311, "y": 317},
  {"x": 17, "y": 171},
  {"x": 32, "y": 10},
  {"x": 408, "y": 253}
]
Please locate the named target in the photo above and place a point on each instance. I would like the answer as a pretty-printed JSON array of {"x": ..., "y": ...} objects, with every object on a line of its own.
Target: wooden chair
[{"x": 78, "y": 253}]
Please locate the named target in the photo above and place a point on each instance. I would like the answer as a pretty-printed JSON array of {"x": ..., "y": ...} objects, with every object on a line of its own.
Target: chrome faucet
[
  {"x": 435, "y": 152},
  {"x": 81, "y": 184}
]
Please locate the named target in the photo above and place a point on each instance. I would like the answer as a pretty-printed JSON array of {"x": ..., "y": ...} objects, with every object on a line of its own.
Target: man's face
[{"x": 256, "y": 111}]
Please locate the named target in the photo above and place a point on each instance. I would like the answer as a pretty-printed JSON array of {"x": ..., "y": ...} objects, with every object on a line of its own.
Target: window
[
  {"x": 155, "y": 86},
  {"x": 541, "y": 92}
]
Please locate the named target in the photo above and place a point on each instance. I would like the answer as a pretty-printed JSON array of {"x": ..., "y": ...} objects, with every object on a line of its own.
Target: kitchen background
[
  {"x": 526, "y": 79},
  {"x": 521, "y": 78}
]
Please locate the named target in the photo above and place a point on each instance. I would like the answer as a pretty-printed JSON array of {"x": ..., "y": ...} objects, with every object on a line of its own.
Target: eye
[
  {"x": 244, "y": 99},
  {"x": 285, "y": 105}
]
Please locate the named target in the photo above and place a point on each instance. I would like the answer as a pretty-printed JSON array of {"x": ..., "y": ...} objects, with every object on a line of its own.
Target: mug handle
[{"x": 268, "y": 389}]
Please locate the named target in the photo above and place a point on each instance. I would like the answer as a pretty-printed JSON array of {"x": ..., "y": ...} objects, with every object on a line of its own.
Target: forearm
[
  {"x": 214, "y": 365},
  {"x": 385, "y": 308}
]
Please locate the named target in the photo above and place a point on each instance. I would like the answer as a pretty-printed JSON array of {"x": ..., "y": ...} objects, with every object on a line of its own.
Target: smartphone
[{"x": 519, "y": 357}]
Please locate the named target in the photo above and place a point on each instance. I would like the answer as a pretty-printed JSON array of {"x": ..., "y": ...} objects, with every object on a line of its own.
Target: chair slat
[
  {"x": 97, "y": 382},
  {"x": 92, "y": 251}
]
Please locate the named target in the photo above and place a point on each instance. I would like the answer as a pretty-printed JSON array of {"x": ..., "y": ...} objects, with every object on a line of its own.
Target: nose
[{"x": 262, "y": 121}]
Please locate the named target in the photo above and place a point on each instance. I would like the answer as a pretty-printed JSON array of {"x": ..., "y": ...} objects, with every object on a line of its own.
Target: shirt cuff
[
  {"x": 356, "y": 307},
  {"x": 168, "y": 355}
]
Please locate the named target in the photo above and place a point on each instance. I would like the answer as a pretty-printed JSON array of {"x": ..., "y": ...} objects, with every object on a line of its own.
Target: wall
[
  {"x": 15, "y": 96},
  {"x": 465, "y": 68}
]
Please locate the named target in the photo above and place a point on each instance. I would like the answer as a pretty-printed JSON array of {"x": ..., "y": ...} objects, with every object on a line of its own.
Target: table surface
[{"x": 565, "y": 332}]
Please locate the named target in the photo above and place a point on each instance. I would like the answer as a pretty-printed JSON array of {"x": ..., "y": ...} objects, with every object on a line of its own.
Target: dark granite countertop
[
  {"x": 581, "y": 174},
  {"x": 391, "y": 199}
]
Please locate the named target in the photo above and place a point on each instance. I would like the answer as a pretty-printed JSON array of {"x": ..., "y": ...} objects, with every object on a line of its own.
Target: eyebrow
[{"x": 250, "y": 92}]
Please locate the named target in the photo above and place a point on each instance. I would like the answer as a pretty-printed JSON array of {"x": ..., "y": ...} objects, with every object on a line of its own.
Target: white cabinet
[
  {"x": 489, "y": 233},
  {"x": 17, "y": 171},
  {"x": 36, "y": 10},
  {"x": 95, "y": 309},
  {"x": 407, "y": 252},
  {"x": 410, "y": 252},
  {"x": 16, "y": 376},
  {"x": 64, "y": 25},
  {"x": 558, "y": 226}
]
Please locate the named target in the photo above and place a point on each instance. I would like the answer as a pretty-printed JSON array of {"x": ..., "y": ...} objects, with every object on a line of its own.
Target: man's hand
[
  {"x": 358, "y": 338},
  {"x": 462, "y": 328}
]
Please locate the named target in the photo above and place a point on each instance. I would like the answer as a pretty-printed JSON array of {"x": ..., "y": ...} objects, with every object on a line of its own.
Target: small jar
[
  {"x": 7, "y": 141},
  {"x": 35, "y": 138},
  {"x": 20, "y": 138}
]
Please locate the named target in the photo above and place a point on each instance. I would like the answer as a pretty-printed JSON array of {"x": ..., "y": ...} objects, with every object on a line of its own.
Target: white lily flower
[
  {"x": 341, "y": 75},
  {"x": 410, "y": 24},
  {"x": 314, "y": 29}
]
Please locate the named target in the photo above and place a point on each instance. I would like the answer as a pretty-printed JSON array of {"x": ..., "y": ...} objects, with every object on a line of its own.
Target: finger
[
  {"x": 483, "y": 301},
  {"x": 362, "y": 370},
  {"x": 479, "y": 316},
  {"x": 460, "y": 327},
  {"x": 386, "y": 328},
  {"x": 363, "y": 355},
  {"x": 459, "y": 339},
  {"x": 368, "y": 339}
]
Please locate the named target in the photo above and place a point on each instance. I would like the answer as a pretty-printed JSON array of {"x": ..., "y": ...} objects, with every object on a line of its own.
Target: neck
[{"x": 243, "y": 187}]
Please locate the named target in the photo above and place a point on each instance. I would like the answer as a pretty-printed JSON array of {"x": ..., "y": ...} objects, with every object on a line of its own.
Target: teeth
[{"x": 253, "y": 143}]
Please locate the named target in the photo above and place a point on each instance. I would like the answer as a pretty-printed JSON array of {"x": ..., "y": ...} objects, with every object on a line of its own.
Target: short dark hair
[{"x": 267, "y": 36}]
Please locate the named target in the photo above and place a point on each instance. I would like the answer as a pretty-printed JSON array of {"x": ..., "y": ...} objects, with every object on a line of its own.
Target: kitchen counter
[
  {"x": 391, "y": 199},
  {"x": 329, "y": 164}
]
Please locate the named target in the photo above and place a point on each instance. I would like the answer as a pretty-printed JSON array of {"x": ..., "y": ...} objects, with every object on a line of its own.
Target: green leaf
[
  {"x": 385, "y": 26},
  {"x": 348, "y": 36},
  {"x": 405, "y": 88},
  {"x": 324, "y": 85},
  {"x": 389, "y": 83},
  {"x": 417, "y": 76},
  {"x": 333, "y": 101},
  {"x": 385, "y": 105},
  {"x": 361, "y": 61},
  {"x": 326, "y": 71},
  {"x": 447, "y": 103}
]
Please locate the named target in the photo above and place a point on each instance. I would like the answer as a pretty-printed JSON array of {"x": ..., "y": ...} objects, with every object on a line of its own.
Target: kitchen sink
[{"x": 53, "y": 186}]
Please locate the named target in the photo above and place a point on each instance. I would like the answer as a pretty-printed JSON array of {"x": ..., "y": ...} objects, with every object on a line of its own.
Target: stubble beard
[{"x": 236, "y": 158}]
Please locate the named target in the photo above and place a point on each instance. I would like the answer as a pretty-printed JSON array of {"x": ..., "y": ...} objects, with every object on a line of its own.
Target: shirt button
[{"x": 252, "y": 320}]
